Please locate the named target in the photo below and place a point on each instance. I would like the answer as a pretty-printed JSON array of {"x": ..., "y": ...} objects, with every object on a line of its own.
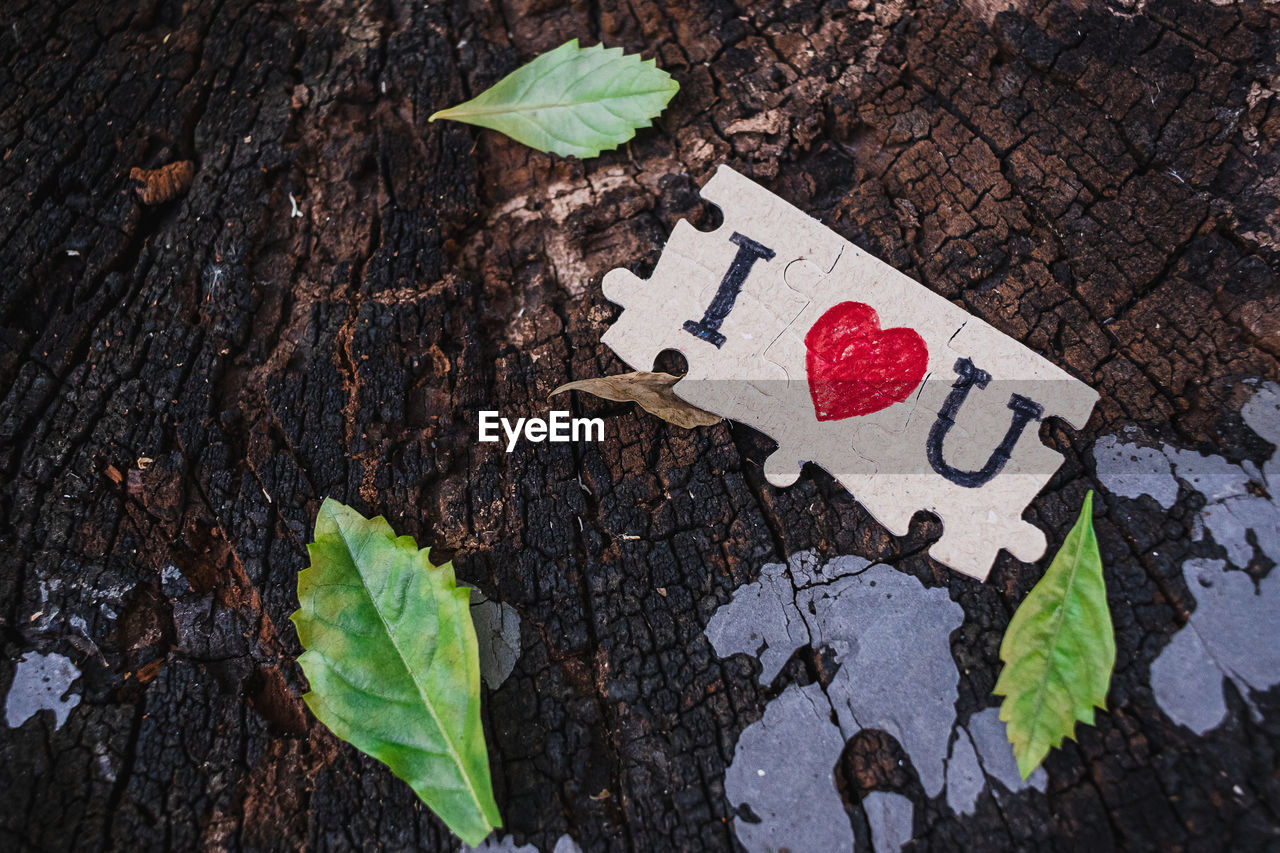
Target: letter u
[{"x": 1025, "y": 410}]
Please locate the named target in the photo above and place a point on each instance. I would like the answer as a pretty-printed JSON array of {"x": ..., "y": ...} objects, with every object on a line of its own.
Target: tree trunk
[{"x": 343, "y": 287}]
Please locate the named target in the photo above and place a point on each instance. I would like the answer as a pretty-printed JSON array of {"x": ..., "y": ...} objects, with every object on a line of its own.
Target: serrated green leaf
[
  {"x": 1059, "y": 650},
  {"x": 393, "y": 664},
  {"x": 572, "y": 101}
]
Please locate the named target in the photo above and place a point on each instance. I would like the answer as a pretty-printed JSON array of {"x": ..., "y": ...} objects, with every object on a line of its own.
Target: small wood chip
[
  {"x": 150, "y": 671},
  {"x": 164, "y": 184}
]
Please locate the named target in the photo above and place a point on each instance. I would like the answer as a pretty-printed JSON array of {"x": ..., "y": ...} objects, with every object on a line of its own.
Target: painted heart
[{"x": 855, "y": 367}]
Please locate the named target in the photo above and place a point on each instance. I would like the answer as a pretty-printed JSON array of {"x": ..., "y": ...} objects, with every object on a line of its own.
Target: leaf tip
[{"x": 328, "y": 517}]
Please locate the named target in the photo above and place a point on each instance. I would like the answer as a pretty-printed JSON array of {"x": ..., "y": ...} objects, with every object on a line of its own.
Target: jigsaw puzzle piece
[
  {"x": 902, "y": 486},
  {"x": 785, "y": 239},
  {"x": 977, "y": 522},
  {"x": 764, "y": 306},
  {"x": 654, "y": 309},
  {"x": 803, "y": 276},
  {"x": 1011, "y": 385},
  {"x": 897, "y": 301},
  {"x": 977, "y": 525},
  {"x": 773, "y": 296},
  {"x": 719, "y": 297}
]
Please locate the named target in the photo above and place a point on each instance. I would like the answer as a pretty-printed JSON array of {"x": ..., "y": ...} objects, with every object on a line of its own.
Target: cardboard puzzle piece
[{"x": 909, "y": 401}]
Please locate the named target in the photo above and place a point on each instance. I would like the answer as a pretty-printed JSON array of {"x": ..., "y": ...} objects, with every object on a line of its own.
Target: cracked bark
[{"x": 1095, "y": 180}]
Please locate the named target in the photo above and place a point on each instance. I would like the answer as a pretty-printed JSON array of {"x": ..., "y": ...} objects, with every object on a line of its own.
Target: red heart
[{"x": 855, "y": 367}]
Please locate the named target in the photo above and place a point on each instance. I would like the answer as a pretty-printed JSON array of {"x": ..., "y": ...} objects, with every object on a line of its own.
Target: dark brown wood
[{"x": 183, "y": 383}]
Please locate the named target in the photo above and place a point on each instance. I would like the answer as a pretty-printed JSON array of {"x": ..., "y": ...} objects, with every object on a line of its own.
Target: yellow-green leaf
[
  {"x": 572, "y": 101},
  {"x": 392, "y": 660},
  {"x": 1059, "y": 650}
]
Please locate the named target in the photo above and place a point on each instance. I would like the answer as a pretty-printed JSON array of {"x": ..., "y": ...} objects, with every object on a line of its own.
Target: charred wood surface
[{"x": 342, "y": 286}]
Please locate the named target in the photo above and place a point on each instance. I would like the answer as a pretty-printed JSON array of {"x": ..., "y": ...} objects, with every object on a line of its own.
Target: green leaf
[
  {"x": 1059, "y": 650},
  {"x": 572, "y": 101},
  {"x": 392, "y": 660}
]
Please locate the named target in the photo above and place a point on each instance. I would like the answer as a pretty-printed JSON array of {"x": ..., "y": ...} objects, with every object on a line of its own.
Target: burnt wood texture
[{"x": 323, "y": 310}]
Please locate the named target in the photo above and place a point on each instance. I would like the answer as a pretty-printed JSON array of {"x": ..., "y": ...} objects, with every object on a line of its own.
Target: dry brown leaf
[{"x": 651, "y": 391}]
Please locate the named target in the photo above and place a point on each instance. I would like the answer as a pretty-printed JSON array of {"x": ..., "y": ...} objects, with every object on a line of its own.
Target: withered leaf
[{"x": 651, "y": 391}]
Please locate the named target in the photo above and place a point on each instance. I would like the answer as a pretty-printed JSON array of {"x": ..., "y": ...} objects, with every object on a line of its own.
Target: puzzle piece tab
[{"x": 912, "y": 403}]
